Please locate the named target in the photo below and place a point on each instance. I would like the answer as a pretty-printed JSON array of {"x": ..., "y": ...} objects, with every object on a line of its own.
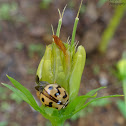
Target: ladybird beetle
[{"x": 52, "y": 95}]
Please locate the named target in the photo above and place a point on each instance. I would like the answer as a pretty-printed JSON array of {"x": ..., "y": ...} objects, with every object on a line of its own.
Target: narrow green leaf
[
  {"x": 95, "y": 100},
  {"x": 101, "y": 103},
  {"x": 112, "y": 26},
  {"x": 75, "y": 104},
  {"x": 21, "y": 95},
  {"x": 3, "y": 123},
  {"x": 94, "y": 91},
  {"x": 79, "y": 102},
  {"x": 25, "y": 91},
  {"x": 90, "y": 93},
  {"x": 17, "y": 92}
]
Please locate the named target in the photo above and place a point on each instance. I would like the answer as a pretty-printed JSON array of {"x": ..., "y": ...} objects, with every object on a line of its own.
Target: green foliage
[
  {"x": 83, "y": 9},
  {"x": 31, "y": 71},
  {"x": 14, "y": 97},
  {"x": 3, "y": 94},
  {"x": 4, "y": 106},
  {"x": 81, "y": 113},
  {"x": 96, "y": 69},
  {"x": 36, "y": 48},
  {"x": 124, "y": 55},
  {"x": 54, "y": 67},
  {"x": 122, "y": 107},
  {"x": 7, "y": 10},
  {"x": 101, "y": 103},
  {"x": 45, "y": 4},
  {"x": 71, "y": 5},
  {"x": 111, "y": 28},
  {"x": 89, "y": 109},
  {"x": 101, "y": 3},
  {"x": 121, "y": 67},
  {"x": 48, "y": 123},
  {"x": 3, "y": 123},
  {"x": 55, "y": 116},
  {"x": 67, "y": 124},
  {"x": 19, "y": 46},
  {"x": 15, "y": 124}
]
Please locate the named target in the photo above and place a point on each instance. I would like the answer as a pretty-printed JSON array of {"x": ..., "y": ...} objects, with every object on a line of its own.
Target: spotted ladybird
[{"x": 52, "y": 95}]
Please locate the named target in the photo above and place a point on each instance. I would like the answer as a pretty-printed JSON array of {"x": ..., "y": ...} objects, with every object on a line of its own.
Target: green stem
[
  {"x": 124, "y": 91},
  {"x": 110, "y": 30},
  {"x": 60, "y": 21},
  {"x": 74, "y": 32},
  {"x": 59, "y": 27},
  {"x": 57, "y": 122},
  {"x": 75, "y": 27}
]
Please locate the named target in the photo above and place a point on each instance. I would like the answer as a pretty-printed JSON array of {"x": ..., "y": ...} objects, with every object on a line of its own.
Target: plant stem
[
  {"x": 110, "y": 30},
  {"x": 59, "y": 27},
  {"x": 57, "y": 122},
  {"x": 60, "y": 21},
  {"x": 74, "y": 32},
  {"x": 124, "y": 91},
  {"x": 75, "y": 27}
]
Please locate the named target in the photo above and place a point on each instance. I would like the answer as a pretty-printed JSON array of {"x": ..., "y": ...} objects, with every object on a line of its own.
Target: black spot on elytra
[
  {"x": 58, "y": 92},
  {"x": 56, "y": 108},
  {"x": 65, "y": 95},
  {"x": 50, "y": 104},
  {"x": 59, "y": 103},
  {"x": 50, "y": 87},
  {"x": 43, "y": 99}
]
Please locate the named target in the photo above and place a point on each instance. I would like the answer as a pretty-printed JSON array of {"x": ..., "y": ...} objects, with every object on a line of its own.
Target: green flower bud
[
  {"x": 60, "y": 65},
  {"x": 121, "y": 66},
  {"x": 76, "y": 71}
]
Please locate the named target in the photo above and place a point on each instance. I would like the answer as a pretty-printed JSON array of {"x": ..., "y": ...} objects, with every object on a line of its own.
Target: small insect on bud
[{"x": 52, "y": 95}]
